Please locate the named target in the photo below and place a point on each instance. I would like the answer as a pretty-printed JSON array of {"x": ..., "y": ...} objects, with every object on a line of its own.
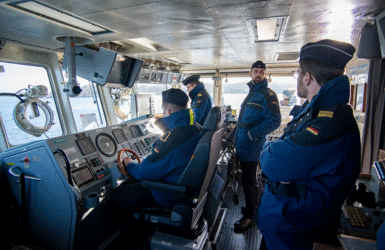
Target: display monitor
[
  {"x": 92, "y": 65},
  {"x": 125, "y": 72},
  {"x": 145, "y": 76},
  {"x": 153, "y": 76},
  {"x": 82, "y": 176},
  {"x": 169, "y": 78},
  {"x": 380, "y": 21},
  {"x": 164, "y": 77},
  {"x": 144, "y": 104}
]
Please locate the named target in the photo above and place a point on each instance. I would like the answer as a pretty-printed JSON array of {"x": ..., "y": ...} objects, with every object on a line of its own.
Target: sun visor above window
[{"x": 92, "y": 65}]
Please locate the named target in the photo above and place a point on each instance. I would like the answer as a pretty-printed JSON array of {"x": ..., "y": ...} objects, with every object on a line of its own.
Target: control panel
[
  {"x": 361, "y": 221},
  {"x": 68, "y": 176}
]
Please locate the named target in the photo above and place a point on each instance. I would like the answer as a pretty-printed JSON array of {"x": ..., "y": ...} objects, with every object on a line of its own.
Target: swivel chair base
[{"x": 167, "y": 241}]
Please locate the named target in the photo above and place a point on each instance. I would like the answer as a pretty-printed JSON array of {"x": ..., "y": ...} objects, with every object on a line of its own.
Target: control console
[{"x": 68, "y": 178}]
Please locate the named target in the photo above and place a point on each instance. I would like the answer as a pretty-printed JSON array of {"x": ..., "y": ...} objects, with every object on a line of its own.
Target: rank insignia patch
[
  {"x": 325, "y": 114},
  {"x": 156, "y": 150},
  {"x": 313, "y": 130},
  {"x": 165, "y": 136}
]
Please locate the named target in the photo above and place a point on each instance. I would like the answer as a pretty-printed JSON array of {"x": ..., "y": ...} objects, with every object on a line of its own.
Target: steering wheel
[{"x": 120, "y": 160}]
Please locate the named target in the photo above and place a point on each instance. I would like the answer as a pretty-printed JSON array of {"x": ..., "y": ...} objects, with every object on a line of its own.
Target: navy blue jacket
[
  {"x": 170, "y": 154},
  {"x": 311, "y": 169},
  {"x": 201, "y": 103},
  {"x": 259, "y": 116}
]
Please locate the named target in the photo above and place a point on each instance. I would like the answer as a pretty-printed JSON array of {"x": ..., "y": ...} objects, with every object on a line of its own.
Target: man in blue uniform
[
  {"x": 201, "y": 101},
  {"x": 170, "y": 155},
  {"x": 258, "y": 117},
  {"x": 313, "y": 166}
]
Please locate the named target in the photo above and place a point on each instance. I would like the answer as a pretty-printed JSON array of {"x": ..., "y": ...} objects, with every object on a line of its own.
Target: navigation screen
[
  {"x": 135, "y": 130},
  {"x": 86, "y": 145},
  {"x": 127, "y": 131},
  {"x": 82, "y": 176},
  {"x": 119, "y": 136}
]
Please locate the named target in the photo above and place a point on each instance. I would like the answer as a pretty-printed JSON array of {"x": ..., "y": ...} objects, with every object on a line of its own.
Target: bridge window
[
  {"x": 32, "y": 119},
  {"x": 86, "y": 107},
  {"x": 156, "y": 91}
]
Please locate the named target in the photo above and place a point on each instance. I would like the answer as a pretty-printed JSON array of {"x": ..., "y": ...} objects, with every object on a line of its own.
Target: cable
[
  {"x": 68, "y": 165},
  {"x": 11, "y": 94}
]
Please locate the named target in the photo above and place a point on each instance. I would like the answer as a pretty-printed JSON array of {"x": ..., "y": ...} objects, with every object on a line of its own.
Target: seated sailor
[{"x": 170, "y": 155}]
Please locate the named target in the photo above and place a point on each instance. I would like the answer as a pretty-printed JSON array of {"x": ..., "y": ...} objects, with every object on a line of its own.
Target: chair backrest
[
  {"x": 195, "y": 172},
  {"x": 199, "y": 172}
]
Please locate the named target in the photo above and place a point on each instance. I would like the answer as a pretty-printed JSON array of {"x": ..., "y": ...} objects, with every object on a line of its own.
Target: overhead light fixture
[
  {"x": 177, "y": 60},
  {"x": 48, "y": 13},
  {"x": 287, "y": 56},
  {"x": 144, "y": 42},
  {"x": 267, "y": 29}
]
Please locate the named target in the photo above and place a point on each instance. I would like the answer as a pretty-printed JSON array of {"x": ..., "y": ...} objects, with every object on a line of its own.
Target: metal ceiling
[{"x": 208, "y": 34}]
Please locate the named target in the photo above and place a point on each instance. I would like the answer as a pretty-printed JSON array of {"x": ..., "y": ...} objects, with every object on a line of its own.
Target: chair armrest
[{"x": 174, "y": 189}]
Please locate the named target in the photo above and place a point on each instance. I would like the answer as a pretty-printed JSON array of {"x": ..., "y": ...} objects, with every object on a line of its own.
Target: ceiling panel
[{"x": 208, "y": 33}]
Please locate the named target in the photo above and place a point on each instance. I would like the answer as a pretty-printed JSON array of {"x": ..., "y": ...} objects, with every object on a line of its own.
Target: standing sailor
[
  {"x": 260, "y": 115},
  {"x": 201, "y": 101},
  {"x": 312, "y": 168}
]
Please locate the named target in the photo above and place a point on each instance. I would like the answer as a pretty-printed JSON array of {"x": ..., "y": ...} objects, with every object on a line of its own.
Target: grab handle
[{"x": 12, "y": 172}]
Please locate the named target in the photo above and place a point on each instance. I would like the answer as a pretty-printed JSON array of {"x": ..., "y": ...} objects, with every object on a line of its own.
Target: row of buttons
[
  {"x": 96, "y": 161},
  {"x": 101, "y": 173}
]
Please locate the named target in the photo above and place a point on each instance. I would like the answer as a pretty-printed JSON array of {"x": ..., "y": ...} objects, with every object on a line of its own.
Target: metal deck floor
[{"x": 228, "y": 240}]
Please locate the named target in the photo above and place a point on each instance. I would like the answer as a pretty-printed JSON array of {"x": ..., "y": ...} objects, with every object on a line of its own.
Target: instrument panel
[
  {"x": 92, "y": 153},
  {"x": 66, "y": 177}
]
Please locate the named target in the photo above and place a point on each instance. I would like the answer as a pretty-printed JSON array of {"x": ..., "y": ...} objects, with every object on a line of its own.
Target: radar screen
[
  {"x": 86, "y": 146},
  {"x": 135, "y": 130},
  {"x": 127, "y": 131},
  {"x": 119, "y": 135},
  {"x": 82, "y": 176},
  {"x": 106, "y": 144},
  {"x": 146, "y": 128}
]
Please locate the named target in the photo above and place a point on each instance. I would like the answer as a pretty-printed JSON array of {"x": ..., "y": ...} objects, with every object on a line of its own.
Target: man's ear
[
  {"x": 168, "y": 111},
  {"x": 308, "y": 78}
]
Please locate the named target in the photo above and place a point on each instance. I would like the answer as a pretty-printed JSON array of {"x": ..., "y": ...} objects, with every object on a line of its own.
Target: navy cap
[
  {"x": 193, "y": 78},
  {"x": 259, "y": 65},
  {"x": 175, "y": 96},
  {"x": 333, "y": 53}
]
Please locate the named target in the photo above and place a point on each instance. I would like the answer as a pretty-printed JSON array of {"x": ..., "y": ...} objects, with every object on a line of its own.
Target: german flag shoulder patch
[{"x": 313, "y": 130}]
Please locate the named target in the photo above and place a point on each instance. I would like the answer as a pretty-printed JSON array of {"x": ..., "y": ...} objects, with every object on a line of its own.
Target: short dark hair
[{"x": 321, "y": 71}]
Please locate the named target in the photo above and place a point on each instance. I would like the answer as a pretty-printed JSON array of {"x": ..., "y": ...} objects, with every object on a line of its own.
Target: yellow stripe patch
[
  {"x": 255, "y": 104},
  {"x": 326, "y": 114},
  {"x": 191, "y": 117},
  {"x": 165, "y": 136},
  {"x": 313, "y": 130}
]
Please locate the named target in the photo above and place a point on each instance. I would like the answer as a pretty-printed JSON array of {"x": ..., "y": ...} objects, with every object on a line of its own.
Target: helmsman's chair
[{"x": 193, "y": 186}]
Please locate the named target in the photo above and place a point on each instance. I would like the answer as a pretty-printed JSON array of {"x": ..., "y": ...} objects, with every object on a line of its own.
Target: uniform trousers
[
  {"x": 130, "y": 197},
  {"x": 250, "y": 187}
]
